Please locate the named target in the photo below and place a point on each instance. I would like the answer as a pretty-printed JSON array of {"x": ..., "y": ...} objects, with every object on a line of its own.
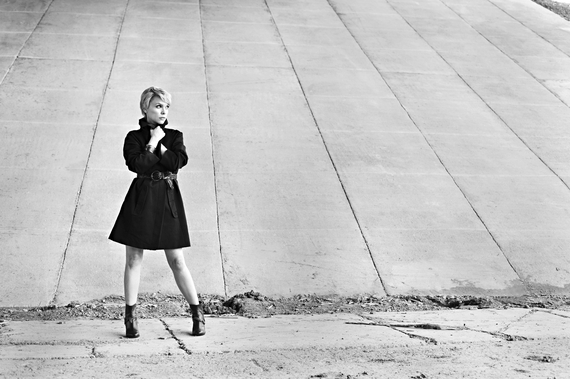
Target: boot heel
[
  {"x": 132, "y": 327},
  {"x": 198, "y": 320}
]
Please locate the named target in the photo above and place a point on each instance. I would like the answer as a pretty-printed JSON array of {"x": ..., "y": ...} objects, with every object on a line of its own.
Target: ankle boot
[
  {"x": 131, "y": 323},
  {"x": 198, "y": 320}
]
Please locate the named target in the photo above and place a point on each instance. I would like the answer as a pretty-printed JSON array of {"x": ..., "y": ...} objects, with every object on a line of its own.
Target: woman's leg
[
  {"x": 184, "y": 280},
  {"x": 132, "y": 277}
]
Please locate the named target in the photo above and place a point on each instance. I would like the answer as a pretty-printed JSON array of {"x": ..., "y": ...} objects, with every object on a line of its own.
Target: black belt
[
  {"x": 169, "y": 177},
  {"x": 158, "y": 175}
]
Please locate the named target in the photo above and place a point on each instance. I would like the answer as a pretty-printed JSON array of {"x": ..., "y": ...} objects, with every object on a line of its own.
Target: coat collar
[{"x": 144, "y": 124}]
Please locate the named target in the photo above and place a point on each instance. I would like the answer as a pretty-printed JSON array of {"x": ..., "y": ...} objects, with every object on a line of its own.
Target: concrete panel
[
  {"x": 136, "y": 26},
  {"x": 107, "y": 149},
  {"x": 560, "y": 88},
  {"x": 285, "y": 200},
  {"x": 325, "y": 17},
  {"x": 404, "y": 39},
  {"x": 105, "y": 7},
  {"x": 11, "y": 43},
  {"x": 408, "y": 202},
  {"x": 291, "y": 261},
  {"x": 169, "y": 10},
  {"x": 102, "y": 194},
  {"x": 313, "y": 5},
  {"x": 344, "y": 83},
  {"x": 542, "y": 325},
  {"x": 236, "y": 3},
  {"x": 5, "y": 64},
  {"x": 38, "y": 199},
  {"x": 199, "y": 198},
  {"x": 84, "y": 47},
  {"x": 432, "y": 10},
  {"x": 260, "y": 110},
  {"x": 486, "y": 155},
  {"x": 42, "y": 352},
  {"x": 240, "y": 32},
  {"x": 344, "y": 57},
  {"x": 75, "y": 23},
  {"x": 484, "y": 63},
  {"x": 553, "y": 151},
  {"x": 25, "y": 6},
  {"x": 505, "y": 90},
  {"x": 308, "y": 36},
  {"x": 362, "y": 6},
  {"x": 516, "y": 39},
  {"x": 361, "y": 114},
  {"x": 270, "y": 150},
  {"x": 536, "y": 120},
  {"x": 545, "y": 67},
  {"x": 416, "y": 61},
  {"x": 418, "y": 87},
  {"x": 157, "y": 50},
  {"x": 246, "y": 54},
  {"x": 389, "y": 22},
  {"x": 188, "y": 110},
  {"x": 60, "y": 106},
  {"x": 288, "y": 332},
  {"x": 465, "y": 118},
  {"x": 540, "y": 257},
  {"x": 452, "y": 261},
  {"x": 251, "y": 79},
  {"x": 30, "y": 264},
  {"x": 382, "y": 153},
  {"x": 451, "y": 35},
  {"x": 84, "y": 332},
  {"x": 94, "y": 267},
  {"x": 530, "y": 203},
  {"x": 173, "y": 77},
  {"x": 19, "y": 22},
  {"x": 236, "y": 14},
  {"x": 45, "y": 146},
  {"x": 58, "y": 74}
]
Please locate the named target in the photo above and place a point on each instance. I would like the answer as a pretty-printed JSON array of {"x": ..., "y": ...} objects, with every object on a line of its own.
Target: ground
[{"x": 254, "y": 304}]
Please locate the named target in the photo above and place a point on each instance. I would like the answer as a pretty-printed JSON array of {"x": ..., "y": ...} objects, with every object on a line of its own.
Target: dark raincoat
[{"x": 152, "y": 216}]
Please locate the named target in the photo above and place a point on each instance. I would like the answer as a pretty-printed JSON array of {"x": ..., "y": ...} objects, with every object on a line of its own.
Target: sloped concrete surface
[{"x": 337, "y": 146}]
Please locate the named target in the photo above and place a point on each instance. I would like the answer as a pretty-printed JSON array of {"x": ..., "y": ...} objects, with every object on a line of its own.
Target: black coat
[{"x": 150, "y": 217}]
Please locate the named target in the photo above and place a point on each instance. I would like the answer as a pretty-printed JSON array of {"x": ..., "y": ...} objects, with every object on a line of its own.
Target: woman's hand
[{"x": 156, "y": 135}]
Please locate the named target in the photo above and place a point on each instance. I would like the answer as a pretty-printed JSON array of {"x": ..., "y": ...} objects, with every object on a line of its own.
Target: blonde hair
[{"x": 151, "y": 92}]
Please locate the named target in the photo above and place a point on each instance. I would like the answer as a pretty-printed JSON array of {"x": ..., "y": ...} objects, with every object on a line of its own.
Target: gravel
[{"x": 253, "y": 304}]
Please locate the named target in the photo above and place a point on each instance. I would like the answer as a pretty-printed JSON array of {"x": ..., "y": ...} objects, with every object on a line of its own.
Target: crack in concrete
[
  {"x": 222, "y": 260},
  {"x": 431, "y": 326},
  {"x": 524, "y": 69},
  {"x": 181, "y": 343},
  {"x": 78, "y": 197},
  {"x": 352, "y": 209}
]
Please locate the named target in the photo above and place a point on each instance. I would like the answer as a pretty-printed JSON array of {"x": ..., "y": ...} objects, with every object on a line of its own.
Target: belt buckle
[{"x": 156, "y": 176}]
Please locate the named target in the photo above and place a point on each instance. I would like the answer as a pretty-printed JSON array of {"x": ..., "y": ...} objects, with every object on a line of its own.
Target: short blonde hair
[{"x": 151, "y": 92}]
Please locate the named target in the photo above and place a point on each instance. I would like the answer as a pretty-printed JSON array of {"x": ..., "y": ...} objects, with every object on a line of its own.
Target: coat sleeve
[
  {"x": 175, "y": 157},
  {"x": 137, "y": 158}
]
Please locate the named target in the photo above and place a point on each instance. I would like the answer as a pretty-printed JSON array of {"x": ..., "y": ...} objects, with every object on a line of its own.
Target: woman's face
[{"x": 157, "y": 111}]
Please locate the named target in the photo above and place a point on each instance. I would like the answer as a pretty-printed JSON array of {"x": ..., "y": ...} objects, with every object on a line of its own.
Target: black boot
[
  {"x": 198, "y": 320},
  {"x": 131, "y": 323}
]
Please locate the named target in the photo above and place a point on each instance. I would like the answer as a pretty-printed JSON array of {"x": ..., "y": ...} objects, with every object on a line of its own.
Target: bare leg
[
  {"x": 132, "y": 277},
  {"x": 184, "y": 280}
]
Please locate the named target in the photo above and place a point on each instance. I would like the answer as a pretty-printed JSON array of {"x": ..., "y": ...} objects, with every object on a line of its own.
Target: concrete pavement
[
  {"x": 499, "y": 343},
  {"x": 341, "y": 146}
]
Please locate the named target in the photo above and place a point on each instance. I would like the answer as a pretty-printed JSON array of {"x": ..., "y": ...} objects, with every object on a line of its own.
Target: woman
[{"x": 152, "y": 216}]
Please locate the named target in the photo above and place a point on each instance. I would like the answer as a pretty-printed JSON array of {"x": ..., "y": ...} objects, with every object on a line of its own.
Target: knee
[
  {"x": 133, "y": 260},
  {"x": 177, "y": 264}
]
